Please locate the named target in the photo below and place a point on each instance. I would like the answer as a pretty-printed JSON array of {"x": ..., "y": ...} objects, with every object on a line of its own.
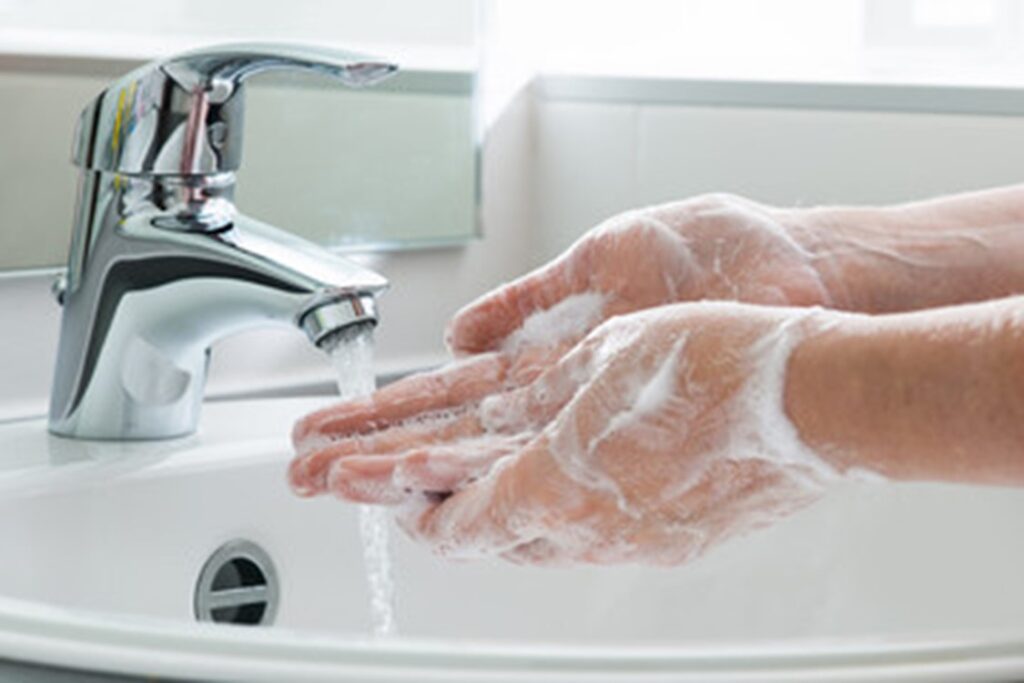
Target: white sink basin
[{"x": 103, "y": 543}]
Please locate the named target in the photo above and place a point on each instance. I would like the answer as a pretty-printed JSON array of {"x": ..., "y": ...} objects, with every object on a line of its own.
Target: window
[{"x": 936, "y": 41}]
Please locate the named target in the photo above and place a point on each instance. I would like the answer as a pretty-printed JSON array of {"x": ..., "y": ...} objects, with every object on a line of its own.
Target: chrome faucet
[{"x": 162, "y": 265}]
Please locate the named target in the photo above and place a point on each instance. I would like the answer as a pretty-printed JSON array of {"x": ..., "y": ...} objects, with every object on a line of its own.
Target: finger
[
  {"x": 448, "y": 469},
  {"x": 650, "y": 545},
  {"x": 388, "y": 480},
  {"x": 317, "y": 449},
  {"x": 433, "y": 392},
  {"x": 308, "y": 473},
  {"x": 449, "y": 389},
  {"x": 365, "y": 480},
  {"x": 531, "y": 362},
  {"x": 487, "y": 322},
  {"x": 539, "y": 552},
  {"x": 531, "y": 407},
  {"x": 512, "y": 505},
  {"x": 471, "y": 523}
]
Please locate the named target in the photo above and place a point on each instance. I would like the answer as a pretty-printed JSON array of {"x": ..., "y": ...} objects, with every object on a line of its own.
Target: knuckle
[{"x": 715, "y": 200}]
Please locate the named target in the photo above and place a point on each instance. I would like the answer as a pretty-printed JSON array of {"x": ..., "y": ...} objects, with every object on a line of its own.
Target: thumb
[{"x": 486, "y": 323}]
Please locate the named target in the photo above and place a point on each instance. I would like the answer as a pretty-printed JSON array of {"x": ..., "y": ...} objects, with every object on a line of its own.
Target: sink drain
[{"x": 237, "y": 585}]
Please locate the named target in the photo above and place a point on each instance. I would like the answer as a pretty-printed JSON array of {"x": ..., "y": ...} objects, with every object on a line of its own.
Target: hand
[
  {"x": 712, "y": 246},
  {"x": 659, "y": 435},
  {"x": 717, "y": 247}
]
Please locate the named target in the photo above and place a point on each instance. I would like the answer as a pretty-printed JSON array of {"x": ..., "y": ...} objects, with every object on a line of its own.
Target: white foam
[
  {"x": 653, "y": 395},
  {"x": 570, "y": 318},
  {"x": 767, "y": 430},
  {"x": 574, "y": 451}
]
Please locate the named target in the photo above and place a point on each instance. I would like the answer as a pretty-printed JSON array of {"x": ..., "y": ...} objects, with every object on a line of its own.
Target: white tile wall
[
  {"x": 586, "y": 168},
  {"x": 817, "y": 156},
  {"x": 595, "y": 159}
]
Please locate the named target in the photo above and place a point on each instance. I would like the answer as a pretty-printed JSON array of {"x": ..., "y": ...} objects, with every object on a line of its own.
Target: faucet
[{"x": 161, "y": 263}]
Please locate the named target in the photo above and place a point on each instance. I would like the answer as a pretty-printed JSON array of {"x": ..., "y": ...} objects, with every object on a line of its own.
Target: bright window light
[
  {"x": 954, "y": 12},
  {"x": 933, "y": 41}
]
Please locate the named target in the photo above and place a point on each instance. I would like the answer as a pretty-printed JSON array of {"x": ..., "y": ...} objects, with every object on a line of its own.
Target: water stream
[{"x": 352, "y": 355}]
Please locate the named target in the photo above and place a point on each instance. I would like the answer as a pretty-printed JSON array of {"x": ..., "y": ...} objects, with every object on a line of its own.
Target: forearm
[
  {"x": 936, "y": 395},
  {"x": 940, "y": 252}
]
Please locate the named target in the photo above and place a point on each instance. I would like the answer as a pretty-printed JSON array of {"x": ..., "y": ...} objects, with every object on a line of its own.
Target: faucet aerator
[{"x": 331, "y": 322}]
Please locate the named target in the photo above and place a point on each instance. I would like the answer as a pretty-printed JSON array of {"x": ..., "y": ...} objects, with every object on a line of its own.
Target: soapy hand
[
  {"x": 708, "y": 247},
  {"x": 717, "y": 247},
  {"x": 657, "y": 436}
]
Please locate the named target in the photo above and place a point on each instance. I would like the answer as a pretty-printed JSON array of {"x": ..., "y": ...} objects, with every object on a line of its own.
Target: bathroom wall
[{"x": 598, "y": 155}]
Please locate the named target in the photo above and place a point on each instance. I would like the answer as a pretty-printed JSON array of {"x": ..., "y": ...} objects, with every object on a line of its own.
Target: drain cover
[{"x": 237, "y": 585}]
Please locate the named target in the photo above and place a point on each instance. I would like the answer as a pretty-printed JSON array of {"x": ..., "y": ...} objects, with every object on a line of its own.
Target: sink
[{"x": 103, "y": 543}]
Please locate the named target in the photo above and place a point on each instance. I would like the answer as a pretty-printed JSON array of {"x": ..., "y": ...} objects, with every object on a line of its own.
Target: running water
[{"x": 351, "y": 352}]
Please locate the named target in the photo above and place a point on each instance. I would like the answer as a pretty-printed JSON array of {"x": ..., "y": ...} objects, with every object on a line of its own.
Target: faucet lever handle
[
  {"x": 183, "y": 115},
  {"x": 221, "y": 69}
]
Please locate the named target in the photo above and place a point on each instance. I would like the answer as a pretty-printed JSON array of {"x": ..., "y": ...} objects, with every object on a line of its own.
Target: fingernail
[{"x": 300, "y": 485}]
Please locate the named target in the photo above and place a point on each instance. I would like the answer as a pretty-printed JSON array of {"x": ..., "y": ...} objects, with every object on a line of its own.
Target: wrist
[
  {"x": 767, "y": 428},
  {"x": 825, "y": 390},
  {"x": 933, "y": 395}
]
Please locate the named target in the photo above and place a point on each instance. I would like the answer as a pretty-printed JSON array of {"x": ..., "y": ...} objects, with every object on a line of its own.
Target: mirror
[
  {"x": 394, "y": 166},
  {"x": 391, "y": 166}
]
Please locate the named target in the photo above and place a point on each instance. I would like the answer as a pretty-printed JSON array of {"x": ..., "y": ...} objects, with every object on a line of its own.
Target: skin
[
  {"x": 934, "y": 395},
  {"x": 717, "y": 247},
  {"x": 931, "y": 395},
  {"x": 941, "y": 252}
]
